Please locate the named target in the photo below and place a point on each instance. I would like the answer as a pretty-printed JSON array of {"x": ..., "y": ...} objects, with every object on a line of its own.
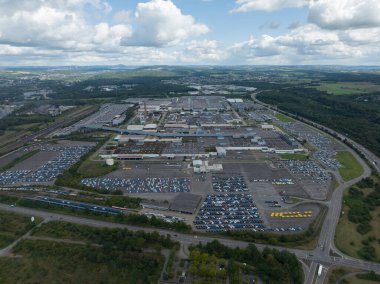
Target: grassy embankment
[
  {"x": 283, "y": 118},
  {"x": 18, "y": 160},
  {"x": 13, "y": 226},
  {"x": 358, "y": 230},
  {"x": 351, "y": 168}
]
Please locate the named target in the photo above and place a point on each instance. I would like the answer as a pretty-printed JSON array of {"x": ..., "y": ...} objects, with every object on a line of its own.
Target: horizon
[{"x": 183, "y": 32}]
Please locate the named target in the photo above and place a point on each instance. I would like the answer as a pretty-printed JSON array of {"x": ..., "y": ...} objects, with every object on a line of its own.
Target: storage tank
[{"x": 110, "y": 162}]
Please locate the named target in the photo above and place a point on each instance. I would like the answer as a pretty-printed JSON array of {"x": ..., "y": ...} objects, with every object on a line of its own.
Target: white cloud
[
  {"x": 123, "y": 16},
  {"x": 308, "y": 44},
  {"x": 56, "y": 24},
  {"x": 204, "y": 51},
  {"x": 345, "y": 14},
  {"x": 268, "y": 5},
  {"x": 161, "y": 23}
]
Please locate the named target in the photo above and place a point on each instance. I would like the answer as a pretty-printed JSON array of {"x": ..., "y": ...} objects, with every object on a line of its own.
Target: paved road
[
  {"x": 325, "y": 253},
  {"x": 316, "y": 255},
  {"x": 326, "y": 244}
]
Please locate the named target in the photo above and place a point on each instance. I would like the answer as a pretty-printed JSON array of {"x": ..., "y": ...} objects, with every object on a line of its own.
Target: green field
[
  {"x": 356, "y": 280},
  {"x": 55, "y": 262},
  {"x": 336, "y": 272},
  {"x": 283, "y": 118},
  {"x": 298, "y": 157},
  {"x": 351, "y": 168},
  {"x": 91, "y": 168},
  {"x": 348, "y": 88},
  {"x": 13, "y": 226},
  {"x": 349, "y": 241},
  {"x": 358, "y": 230}
]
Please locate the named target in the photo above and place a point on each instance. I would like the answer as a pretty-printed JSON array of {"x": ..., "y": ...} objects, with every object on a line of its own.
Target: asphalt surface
[{"x": 325, "y": 253}]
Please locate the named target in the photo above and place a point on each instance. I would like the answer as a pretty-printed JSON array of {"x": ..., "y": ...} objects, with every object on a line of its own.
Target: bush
[{"x": 363, "y": 228}]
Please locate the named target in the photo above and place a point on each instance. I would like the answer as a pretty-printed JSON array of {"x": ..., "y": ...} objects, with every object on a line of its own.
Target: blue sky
[{"x": 180, "y": 32}]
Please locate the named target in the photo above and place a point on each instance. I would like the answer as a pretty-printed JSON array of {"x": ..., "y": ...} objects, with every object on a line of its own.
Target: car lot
[
  {"x": 314, "y": 179},
  {"x": 229, "y": 183},
  {"x": 326, "y": 148},
  {"x": 140, "y": 185},
  {"x": 67, "y": 157},
  {"x": 228, "y": 211},
  {"x": 45, "y": 166}
]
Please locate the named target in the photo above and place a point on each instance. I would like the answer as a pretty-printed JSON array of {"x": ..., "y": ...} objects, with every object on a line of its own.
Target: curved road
[{"x": 325, "y": 253}]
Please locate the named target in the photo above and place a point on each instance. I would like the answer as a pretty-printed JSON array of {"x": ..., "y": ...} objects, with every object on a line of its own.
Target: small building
[
  {"x": 186, "y": 203},
  {"x": 267, "y": 126},
  {"x": 135, "y": 127}
]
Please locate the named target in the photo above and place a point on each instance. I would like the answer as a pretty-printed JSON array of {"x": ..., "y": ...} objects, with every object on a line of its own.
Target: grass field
[
  {"x": 349, "y": 241},
  {"x": 91, "y": 168},
  {"x": 55, "y": 262},
  {"x": 348, "y": 88},
  {"x": 13, "y": 226},
  {"x": 283, "y": 118},
  {"x": 355, "y": 280},
  {"x": 298, "y": 157},
  {"x": 351, "y": 168},
  {"x": 337, "y": 272}
]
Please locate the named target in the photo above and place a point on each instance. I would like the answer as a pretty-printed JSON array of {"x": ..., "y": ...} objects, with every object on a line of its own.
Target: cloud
[
  {"x": 58, "y": 24},
  {"x": 307, "y": 44},
  {"x": 268, "y": 5},
  {"x": 123, "y": 16},
  {"x": 160, "y": 23},
  {"x": 205, "y": 51},
  {"x": 345, "y": 14}
]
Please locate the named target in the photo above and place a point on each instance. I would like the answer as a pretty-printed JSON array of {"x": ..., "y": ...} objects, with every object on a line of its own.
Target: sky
[{"x": 189, "y": 32}]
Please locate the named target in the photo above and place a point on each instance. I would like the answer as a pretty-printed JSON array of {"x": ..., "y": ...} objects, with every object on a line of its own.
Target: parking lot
[
  {"x": 221, "y": 212},
  {"x": 45, "y": 166},
  {"x": 140, "y": 185},
  {"x": 228, "y": 183},
  {"x": 326, "y": 148},
  {"x": 314, "y": 179}
]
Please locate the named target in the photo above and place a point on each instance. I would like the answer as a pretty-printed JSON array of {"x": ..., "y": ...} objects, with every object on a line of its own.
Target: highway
[{"x": 326, "y": 248}]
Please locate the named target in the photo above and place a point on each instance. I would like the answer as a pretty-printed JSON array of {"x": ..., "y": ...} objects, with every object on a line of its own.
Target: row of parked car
[
  {"x": 228, "y": 211},
  {"x": 229, "y": 184},
  {"x": 140, "y": 185}
]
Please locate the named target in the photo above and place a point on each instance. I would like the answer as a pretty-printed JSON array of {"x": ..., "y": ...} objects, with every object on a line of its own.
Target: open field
[
  {"x": 350, "y": 166},
  {"x": 47, "y": 261},
  {"x": 348, "y": 88},
  {"x": 299, "y": 157},
  {"x": 362, "y": 279},
  {"x": 91, "y": 168},
  {"x": 283, "y": 118},
  {"x": 349, "y": 241},
  {"x": 336, "y": 272},
  {"x": 360, "y": 239},
  {"x": 13, "y": 226}
]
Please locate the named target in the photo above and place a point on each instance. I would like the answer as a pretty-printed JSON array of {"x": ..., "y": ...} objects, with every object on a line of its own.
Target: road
[
  {"x": 326, "y": 249},
  {"x": 325, "y": 253},
  {"x": 315, "y": 256}
]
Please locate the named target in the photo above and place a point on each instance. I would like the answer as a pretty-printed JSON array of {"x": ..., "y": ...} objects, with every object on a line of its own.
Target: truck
[{"x": 320, "y": 267}]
